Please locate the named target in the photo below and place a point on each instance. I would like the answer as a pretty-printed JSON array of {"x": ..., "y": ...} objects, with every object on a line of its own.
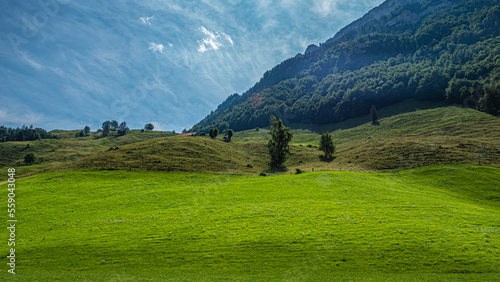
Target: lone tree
[
  {"x": 123, "y": 128},
  {"x": 105, "y": 128},
  {"x": 215, "y": 133},
  {"x": 211, "y": 133},
  {"x": 373, "y": 113},
  {"x": 30, "y": 158},
  {"x": 278, "y": 144},
  {"x": 229, "y": 133},
  {"x": 149, "y": 126},
  {"x": 326, "y": 145},
  {"x": 86, "y": 130}
]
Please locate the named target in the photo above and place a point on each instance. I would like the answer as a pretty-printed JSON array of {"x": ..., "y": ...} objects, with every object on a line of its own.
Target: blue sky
[{"x": 65, "y": 64}]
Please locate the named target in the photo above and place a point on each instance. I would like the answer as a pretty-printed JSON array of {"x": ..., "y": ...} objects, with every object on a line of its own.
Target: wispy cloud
[
  {"x": 14, "y": 118},
  {"x": 146, "y": 20},
  {"x": 213, "y": 41},
  {"x": 156, "y": 47}
]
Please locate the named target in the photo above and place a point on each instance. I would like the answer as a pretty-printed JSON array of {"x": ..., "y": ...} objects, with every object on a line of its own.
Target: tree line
[{"x": 25, "y": 133}]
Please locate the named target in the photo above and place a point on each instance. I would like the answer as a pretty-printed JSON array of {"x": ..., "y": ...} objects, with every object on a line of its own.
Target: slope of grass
[
  {"x": 62, "y": 152},
  {"x": 423, "y": 137},
  {"x": 101, "y": 225},
  {"x": 196, "y": 154},
  {"x": 395, "y": 121}
]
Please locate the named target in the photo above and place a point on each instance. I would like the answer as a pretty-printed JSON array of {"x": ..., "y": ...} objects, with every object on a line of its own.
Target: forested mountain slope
[{"x": 429, "y": 50}]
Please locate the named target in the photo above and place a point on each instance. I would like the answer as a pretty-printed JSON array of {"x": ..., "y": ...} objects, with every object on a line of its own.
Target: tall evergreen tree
[
  {"x": 373, "y": 113},
  {"x": 279, "y": 150}
]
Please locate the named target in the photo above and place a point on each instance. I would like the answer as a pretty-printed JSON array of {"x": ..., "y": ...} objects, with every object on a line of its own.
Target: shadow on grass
[{"x": 327, "y": 160}]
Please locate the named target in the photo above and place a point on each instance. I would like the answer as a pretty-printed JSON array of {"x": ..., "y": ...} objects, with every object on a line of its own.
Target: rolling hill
[{"x": 422, "y": 137}]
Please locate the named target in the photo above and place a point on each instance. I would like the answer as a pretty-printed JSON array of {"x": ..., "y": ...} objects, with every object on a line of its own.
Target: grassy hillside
[
  {"x": 62, "y": 152},
  {"x": 434, "y": 223},
  {"x": 426, "y": 135},
  {"x": 421, "y": 137},
  {"x": 196, "y": 154}
]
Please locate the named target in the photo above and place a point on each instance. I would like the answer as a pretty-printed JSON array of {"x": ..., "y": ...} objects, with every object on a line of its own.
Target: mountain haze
[{"x": 428, "y": 50}]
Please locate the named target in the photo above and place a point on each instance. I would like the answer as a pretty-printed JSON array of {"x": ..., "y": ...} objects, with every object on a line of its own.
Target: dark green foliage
[
  {"x": 213, "y": 132},
  {"x": 451, "y": 54},
  {"x": 279, "y": 149},
  {"x": 30, "y": 158},
  {"x": 86, "y": 130},
  {"x": 374, "y": 115},
  {"x": 26, "y": 133},
  {"x": 230, "y": 133},
  {"x": 326, "y": 145},
  {"x": 490, "y": 103},
  {"x": 149, "y": 126},
  {"x": 114, "y": 125},
  {"x": 123, "y": 128},
  {"x": 105, "y": 128}
]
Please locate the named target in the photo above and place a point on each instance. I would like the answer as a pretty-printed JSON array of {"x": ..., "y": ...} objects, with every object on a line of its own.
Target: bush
[{"x": 30, "y": 158}]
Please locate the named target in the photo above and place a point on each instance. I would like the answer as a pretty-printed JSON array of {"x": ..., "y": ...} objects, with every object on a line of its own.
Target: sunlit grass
[{"x": 437, "y": 219}]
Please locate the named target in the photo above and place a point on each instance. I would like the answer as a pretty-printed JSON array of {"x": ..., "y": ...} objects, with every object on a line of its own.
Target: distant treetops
[{"x": 25, "y": 133}]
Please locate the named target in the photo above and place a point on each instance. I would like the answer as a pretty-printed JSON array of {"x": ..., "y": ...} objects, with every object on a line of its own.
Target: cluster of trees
[
  {"x": 83, "y": 132},
  {"x": 452, "y": 55},
  {"x": 214, "y": 132},
  {"x": 25, "y": 133},
  {"x": 108, "y": 126}
]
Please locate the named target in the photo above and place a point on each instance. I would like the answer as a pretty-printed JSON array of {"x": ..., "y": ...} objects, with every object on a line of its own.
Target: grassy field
[{"x": 434, "y": 223}]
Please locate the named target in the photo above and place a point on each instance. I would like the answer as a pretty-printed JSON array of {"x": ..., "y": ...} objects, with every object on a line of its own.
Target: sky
[{"x": 67, "y": 64}]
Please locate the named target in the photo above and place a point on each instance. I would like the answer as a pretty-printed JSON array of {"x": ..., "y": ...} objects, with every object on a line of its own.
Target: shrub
[{"x": 30, "y": 158}]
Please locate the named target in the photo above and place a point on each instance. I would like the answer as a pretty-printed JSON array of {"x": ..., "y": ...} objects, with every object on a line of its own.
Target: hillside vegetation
[
  {"x": 423, "y": 137},
  {"x": 430, "y": 224},
  {"x": 60, "y": 153},
  {"x": 196, "y": 154},
  {"x": 450, "y": 54}
]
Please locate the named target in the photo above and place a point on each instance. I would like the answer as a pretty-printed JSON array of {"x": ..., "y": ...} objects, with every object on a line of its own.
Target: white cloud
[
  {"x": 323, "y": 7},
  {"x": 213, "y": 41},
  {"x": 16, "y": 118},
  {"x": 156, "y": 47},
  {"x": 146, "y": 20}
]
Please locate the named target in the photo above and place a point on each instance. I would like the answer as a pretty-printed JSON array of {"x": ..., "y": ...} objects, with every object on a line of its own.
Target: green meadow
[{"x": 435, "y": 223}]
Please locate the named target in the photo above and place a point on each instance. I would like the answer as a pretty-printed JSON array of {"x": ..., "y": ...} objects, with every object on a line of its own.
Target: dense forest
[
  {"x": 26, "y": 133},
  {"x": 452, "y": 54}
]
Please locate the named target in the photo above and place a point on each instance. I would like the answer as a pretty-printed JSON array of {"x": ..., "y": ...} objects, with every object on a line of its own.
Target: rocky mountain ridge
[{"x": 391, "y": 15}]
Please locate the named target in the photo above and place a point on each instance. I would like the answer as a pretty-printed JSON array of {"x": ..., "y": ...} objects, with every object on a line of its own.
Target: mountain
[{"x": 428, "y": 50}]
